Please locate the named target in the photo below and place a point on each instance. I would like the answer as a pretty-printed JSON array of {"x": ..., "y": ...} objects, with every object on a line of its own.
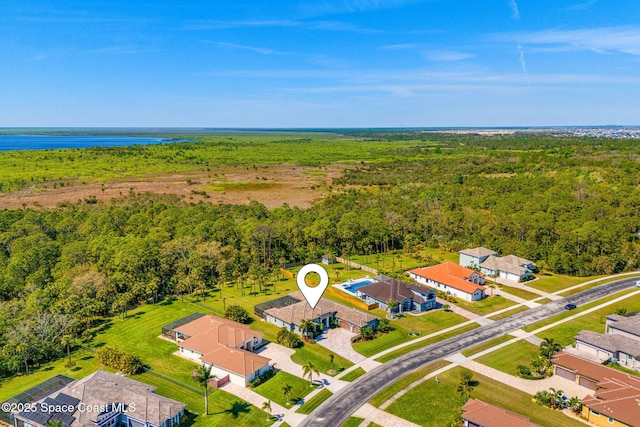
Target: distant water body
[{"x": 45, "y": 142}]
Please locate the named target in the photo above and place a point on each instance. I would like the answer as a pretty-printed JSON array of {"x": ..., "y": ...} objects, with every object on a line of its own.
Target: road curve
[{"x": 335, "y": 410}]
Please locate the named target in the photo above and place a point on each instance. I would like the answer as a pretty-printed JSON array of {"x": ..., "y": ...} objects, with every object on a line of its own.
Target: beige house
[{"x": 620, "y": 342}]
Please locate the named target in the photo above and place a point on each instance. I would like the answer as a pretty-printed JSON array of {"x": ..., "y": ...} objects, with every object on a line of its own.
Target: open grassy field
[
  {"x": 319, "y": 355},
  {"x": 272, "y": 389},
  {"x": 425, "y": 324},
  {"x": 170, "y": 374},
  {"x": 485, "y": 306},
  {"x": 580, "y": 309},
  {"x": 424, "y": 343},
  {"x": 553, "y": 282},
  {"x": 594, "y": 321},
  {"x": 507, "y": 359},
  {"x": 394, "y": 388},
  {"x": 445, "y": 403},
  {"x": 518, "y": 292},
  {"x": 591, "y": 285}
]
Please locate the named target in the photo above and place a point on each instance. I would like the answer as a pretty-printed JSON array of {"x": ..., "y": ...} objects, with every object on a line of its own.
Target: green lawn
[
  {"x": 409, "y": 348},
  {"x": 582, "y": 308},
  {"x": 395, "y": 261},
  {"x": 519, "y": 292},
  {"x": 171, "y": 374},
  {"x": 319, "y": 355},
  {"x": 352, "y": 422},
  {"x": 425, "y": 324},
  {"x": 509, "y": 312},
  {"x": 356, "y": 373},
  {"x": 310, "y": 405},
  {"x": 486, "y": 306},
  {"x": 591, "y": 285},
  {"x": 507, "y": 359},
  {"x": 372, "y": 424},
  {"x": 272, "y": 388},
  {"x": 594, "y": 321},
  {"x": 552, "y": 282},
  {"x": 390, "y": 391},
  {"x": 445, "y": 403},
  {"x": 337, "y": 272},
  {"x": 481, "y": 347}
]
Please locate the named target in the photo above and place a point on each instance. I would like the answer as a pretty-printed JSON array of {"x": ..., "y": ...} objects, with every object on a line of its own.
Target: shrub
[
  {"x": 262, "y": 378},
  {"x": 237, "y": 314},
  {"x": 127, "y": 363},
  {"x": 523, "y": 371},
  {"x": 288, "y": 338}
]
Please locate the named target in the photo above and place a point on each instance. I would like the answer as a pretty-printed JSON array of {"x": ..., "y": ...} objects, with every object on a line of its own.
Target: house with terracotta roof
[
  {"x": 452, "y": 279},
  {"x": 291, "y": 316},
  {"x": 477, "y": 413},
  {"x": 616, "y": 398},
  {"x": 408, "y": 296},
  {"x": 225, "y": 346},
  {"x": 619, "y": 343}
]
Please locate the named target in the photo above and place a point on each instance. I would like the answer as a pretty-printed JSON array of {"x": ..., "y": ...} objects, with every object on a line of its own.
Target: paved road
[{"x": 335, "y": 410}]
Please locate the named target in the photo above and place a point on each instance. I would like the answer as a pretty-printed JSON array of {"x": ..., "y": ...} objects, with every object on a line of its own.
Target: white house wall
[
  {"x": 593, "y": 352},
  {"x": 234, "y": 378},
  {"x": 185, "y": 352},
  {"x": 445, "y": 288}
]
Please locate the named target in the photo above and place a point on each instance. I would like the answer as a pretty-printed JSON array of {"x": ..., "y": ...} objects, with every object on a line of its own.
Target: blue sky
[{"x": 346, "y": 63}]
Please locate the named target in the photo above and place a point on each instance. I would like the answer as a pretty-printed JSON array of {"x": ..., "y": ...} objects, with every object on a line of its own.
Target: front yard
[{"x": 272, "y": 389}]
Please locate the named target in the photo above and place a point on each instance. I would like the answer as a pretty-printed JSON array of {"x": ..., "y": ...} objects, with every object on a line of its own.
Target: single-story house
[
  {"x": 292, "y": 315},
  {"x": 615, "y": 401},
  {"x": 472, "y": 258},
  {"x": 509, "y": 267},
  {"x": 103, "y": 399},
  {"x": 224, "y": 346},
  {"x": 620, "y": 343},
  {"x": 477, "y": 413},
  {"x": 408, "y": 296},
  {"x": 453, "y": 279}
]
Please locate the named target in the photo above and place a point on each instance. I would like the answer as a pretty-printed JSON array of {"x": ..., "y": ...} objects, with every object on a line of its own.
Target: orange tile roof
[
  {"x": 484, "y": 414},
  {"x": 618, "y": 394},
  {"x": 235, "y": 360},
  {"x": 218, "y": 340},
  {"x": 450, "y": 274}
]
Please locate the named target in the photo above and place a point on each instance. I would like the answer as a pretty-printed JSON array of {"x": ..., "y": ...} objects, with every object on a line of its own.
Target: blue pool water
[{"x": 353, "y": 286}]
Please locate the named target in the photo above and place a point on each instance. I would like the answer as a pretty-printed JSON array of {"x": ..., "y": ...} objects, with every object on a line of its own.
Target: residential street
[{"x": 342, "y": 404}]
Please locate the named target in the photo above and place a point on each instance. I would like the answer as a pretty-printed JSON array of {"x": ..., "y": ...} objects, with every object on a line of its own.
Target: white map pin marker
[{"x": 312, "y": 295}]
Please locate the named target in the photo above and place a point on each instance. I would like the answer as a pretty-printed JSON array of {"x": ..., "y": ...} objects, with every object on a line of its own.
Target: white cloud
[
  {"x": 516, "y": 10},
  {"x": 600, "y": 40},
  {"x": 523, "y": 63},
  {"x": 260, "y": 50},
  {"x": 581, "y": 6},
  {"x": 448, "y": 56}
]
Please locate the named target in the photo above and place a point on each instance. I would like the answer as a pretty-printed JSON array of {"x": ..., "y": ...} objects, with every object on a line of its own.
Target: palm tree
[
  {"x": 575, "y": 404},
  {"x": 54, "y": 423},
  {"x": 538, "y": 366},
  {"x": 465, "y": 390},
  {"x": 308, "y": 369},
  {"x": 202, "y": 375},
  {"x": 556, "y": 397},
  {"x": 286, "y": 390},
  {"x": 266, "y": 406},
  {"x": 331, "y": 356},
  {"x": 306, "y": 325},
  {"x": 67, "y": 341},
  {"x": 548, "y": 348}
]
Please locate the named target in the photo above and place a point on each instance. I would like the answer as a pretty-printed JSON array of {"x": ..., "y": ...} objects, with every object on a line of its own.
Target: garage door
[
  {"x": 344, "y": 325},
  {"x": 565, "y": 373},
  {"x": 588, "y": 383}
]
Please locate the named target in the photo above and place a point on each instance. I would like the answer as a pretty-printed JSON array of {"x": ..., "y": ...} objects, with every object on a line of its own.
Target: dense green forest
[{"x": 572, "y": 205}]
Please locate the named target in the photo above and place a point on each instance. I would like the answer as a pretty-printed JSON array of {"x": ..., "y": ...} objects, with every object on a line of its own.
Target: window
[
  {"x": 611, "y": 420},
  {"x": 596, "y": 413}
]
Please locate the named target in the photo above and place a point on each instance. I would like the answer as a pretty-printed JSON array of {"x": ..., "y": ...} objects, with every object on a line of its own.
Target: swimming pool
[{"x": 352, "y": 285}]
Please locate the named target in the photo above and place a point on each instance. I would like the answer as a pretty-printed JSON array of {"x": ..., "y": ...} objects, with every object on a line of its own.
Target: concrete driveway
[{"x": 338, "y": 340}]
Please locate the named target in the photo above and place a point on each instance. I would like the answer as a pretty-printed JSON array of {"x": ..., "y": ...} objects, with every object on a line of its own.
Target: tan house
[
  {"x": 620, "y": 342},
  {"x": 616, "y": 398},
  {"x": 226, "y": 347}
]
